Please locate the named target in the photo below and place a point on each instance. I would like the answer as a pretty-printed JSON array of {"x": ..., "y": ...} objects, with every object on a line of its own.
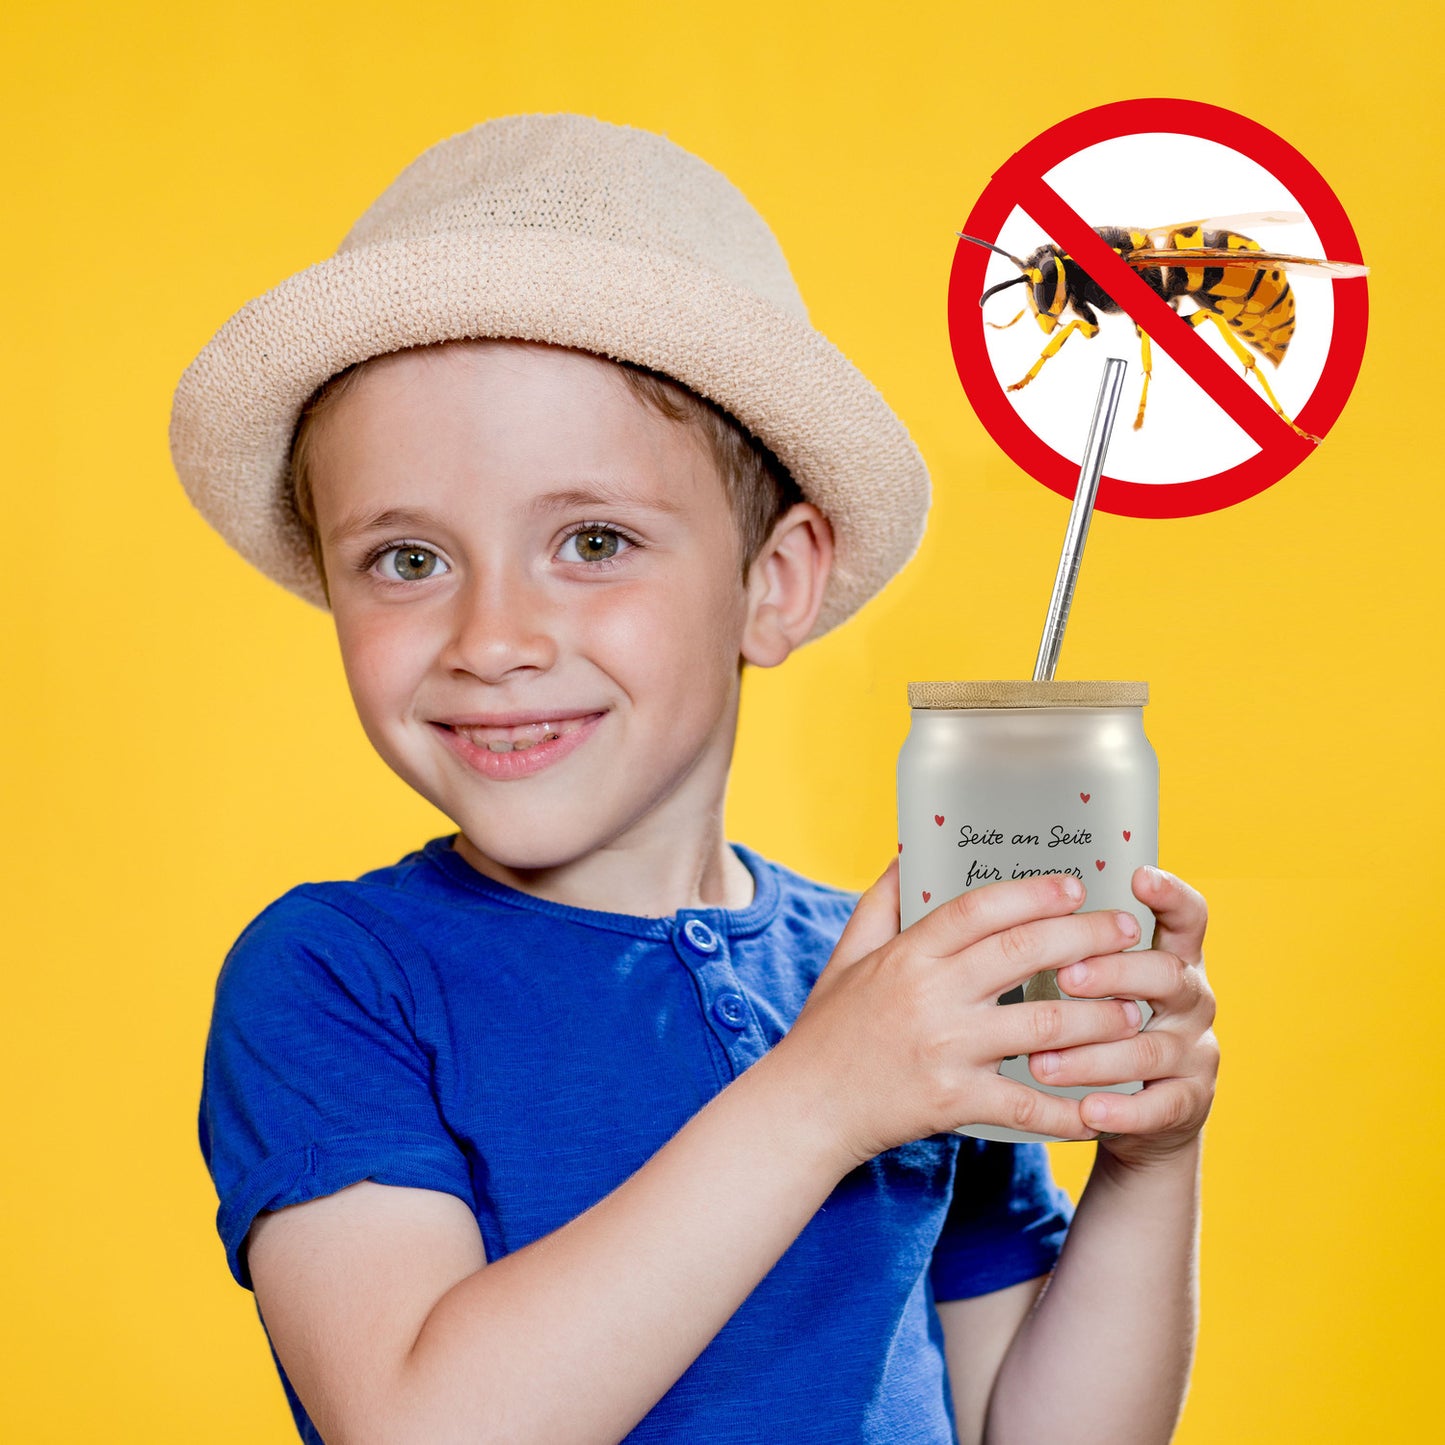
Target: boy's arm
[
  {"x": 1100, "y": 1350},
  {"x": 392, "y": 1328},
  {"x": 976, "y": 1335},
  {"x": 1106, "y": 1354}
]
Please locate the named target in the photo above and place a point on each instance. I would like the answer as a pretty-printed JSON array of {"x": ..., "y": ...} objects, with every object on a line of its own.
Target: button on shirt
[
  {"x": 426, "y": 1026},
  {"x": 700, "y": 938}
]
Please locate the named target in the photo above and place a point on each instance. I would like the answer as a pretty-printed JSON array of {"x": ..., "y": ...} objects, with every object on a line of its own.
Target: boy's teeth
[{"x": 518, "y": 739}]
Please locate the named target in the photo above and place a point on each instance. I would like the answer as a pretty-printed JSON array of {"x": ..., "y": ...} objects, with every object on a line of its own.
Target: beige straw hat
[{"x": 567, "y": 230}]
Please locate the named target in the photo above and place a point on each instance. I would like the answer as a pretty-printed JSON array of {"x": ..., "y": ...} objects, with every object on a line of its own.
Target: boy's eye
[
  {"x": 409, "y": 563},
  {"x": 595, "y": 544}
]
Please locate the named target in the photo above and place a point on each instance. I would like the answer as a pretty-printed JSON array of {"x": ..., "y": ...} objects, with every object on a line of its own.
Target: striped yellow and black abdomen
[{"x": 1255, "y": 302}]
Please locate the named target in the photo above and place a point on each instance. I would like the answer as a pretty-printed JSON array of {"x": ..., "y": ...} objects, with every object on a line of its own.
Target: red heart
[
  {"x": 1085, "y": 796},
  {"x": 1126, "y": 835},
  {"x": 1099, "y": 864},
  {"x": 938, "y": 818},
  {"x": 926, "y": 895},
  {"x": 900, "y": 846}
]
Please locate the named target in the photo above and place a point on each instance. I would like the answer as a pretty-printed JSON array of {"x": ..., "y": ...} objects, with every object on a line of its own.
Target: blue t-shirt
[{"x": 426, "y": 1026}]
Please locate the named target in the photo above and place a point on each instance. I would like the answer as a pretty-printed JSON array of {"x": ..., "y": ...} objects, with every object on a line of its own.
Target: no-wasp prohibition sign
[{"x": 1021, "y": 183}]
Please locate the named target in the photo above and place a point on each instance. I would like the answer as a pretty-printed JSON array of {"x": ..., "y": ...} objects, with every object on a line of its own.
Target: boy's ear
[{"x": 786, "y": 583}]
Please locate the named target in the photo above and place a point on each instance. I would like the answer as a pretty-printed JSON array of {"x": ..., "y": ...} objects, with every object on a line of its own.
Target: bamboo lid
[{"x": 1018, "y": 693}]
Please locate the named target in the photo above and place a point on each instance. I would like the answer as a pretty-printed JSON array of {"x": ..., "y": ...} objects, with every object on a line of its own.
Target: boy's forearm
[
  {"x": 1106, "y": 1354},
  {"x": 579, "y": 1334}
]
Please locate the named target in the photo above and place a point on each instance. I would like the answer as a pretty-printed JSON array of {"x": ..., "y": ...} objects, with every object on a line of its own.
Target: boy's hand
[
  {"x": 1175, "y": 1054},
  {"x": 902, "y": 1035}
]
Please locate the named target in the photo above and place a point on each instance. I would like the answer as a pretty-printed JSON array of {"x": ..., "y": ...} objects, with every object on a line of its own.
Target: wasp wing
[
  {"x": 1256, "y": 260},
  {"x": 1159, "y": 235}
]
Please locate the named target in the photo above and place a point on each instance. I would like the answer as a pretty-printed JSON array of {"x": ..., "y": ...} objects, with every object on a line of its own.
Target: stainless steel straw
[{"x": 1094, "y": 449}]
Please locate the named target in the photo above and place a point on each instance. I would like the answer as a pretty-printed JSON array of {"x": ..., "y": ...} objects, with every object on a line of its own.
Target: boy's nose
[{"x": 503, "y": 622}]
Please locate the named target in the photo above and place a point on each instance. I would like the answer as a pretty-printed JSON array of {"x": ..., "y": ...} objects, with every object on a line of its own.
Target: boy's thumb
[{"x": 874, "y": 921}]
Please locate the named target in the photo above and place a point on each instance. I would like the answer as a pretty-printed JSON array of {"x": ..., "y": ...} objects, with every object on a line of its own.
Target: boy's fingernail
[
  {"x": 1073, "y": 975},
  {"x": 1047, "y": 1063},
  {"x": 1131, "y": 1012},
  {"x": 1128, "y": 924},
  {"x": 1073, "y": 888}
]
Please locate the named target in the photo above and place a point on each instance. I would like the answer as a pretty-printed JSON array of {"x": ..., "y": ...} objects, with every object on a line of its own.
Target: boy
[{"x": 560, "y": 1129}]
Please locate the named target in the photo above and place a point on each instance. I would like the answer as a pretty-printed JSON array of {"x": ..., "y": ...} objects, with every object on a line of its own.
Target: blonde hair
[{"x": 759, "y": 488}]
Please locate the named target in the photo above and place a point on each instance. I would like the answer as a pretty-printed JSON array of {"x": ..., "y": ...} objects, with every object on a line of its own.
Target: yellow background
[{"x": 180, "y": 747}]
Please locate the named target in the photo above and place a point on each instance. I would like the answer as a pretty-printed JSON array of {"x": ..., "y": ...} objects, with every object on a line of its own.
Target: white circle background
[{"x": 1147, "y": 181}]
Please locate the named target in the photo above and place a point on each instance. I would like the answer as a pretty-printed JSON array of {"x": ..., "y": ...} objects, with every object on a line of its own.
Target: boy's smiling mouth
[
  {"x": 502, "y": 738},
  {"x": 506, "y": 746}
]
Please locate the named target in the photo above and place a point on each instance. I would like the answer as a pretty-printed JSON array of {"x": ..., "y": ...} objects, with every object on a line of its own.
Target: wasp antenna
[
  {"x": 1002, "y": 286},
  {"x": 990, "y": 246}
]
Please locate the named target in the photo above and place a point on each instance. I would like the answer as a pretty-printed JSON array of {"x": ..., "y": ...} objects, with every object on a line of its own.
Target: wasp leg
[
  {"x": 1004, "y": 325},
  {"x": 1090, "y": 330},
  {"x": 1198, "y": 318},
  {"x": 1146, "y": 360}
]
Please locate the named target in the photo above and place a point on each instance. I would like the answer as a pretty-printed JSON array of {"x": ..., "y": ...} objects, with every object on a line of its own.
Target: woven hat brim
[{"x": 237, "y": 405}]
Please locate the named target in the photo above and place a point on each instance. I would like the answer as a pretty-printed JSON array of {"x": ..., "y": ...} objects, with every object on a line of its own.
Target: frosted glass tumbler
[{"x": 1005, "y": 780}]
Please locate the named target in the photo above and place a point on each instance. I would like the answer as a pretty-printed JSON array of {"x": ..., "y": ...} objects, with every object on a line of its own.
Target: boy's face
[{"x": 516, "y": 547}]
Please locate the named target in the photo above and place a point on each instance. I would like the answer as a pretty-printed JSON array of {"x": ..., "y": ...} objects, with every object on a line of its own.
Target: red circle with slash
[{"x": 1020, "y": 182}]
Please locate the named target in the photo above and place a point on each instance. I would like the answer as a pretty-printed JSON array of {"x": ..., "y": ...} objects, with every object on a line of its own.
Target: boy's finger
[
  {"x": 1016, "y": 1106},
  {"x": 1164, "y": 979},
  {"x": 1015, "y": 954},
  {"x": 963, "y": 921},
  {"x": 1163, "y": 1107},
  {"x": 874, "y": 920},
  {"x": 1063, "y": 1030},
  {"x": 1180, "y": 913}
]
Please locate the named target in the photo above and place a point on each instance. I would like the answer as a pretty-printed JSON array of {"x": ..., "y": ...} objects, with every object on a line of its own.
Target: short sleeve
[
  {"x": 314, "y": 1076},
  {"x": 1006, "y": 1221}
]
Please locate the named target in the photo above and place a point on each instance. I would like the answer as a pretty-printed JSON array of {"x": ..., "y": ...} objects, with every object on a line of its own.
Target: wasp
[{"x": 1232, "y": 281}]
